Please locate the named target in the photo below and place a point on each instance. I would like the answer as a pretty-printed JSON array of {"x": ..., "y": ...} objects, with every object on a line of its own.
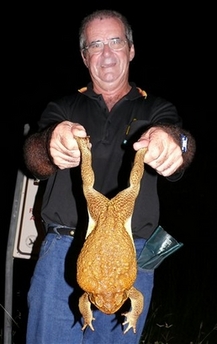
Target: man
[{"x": 120, "y": 118}]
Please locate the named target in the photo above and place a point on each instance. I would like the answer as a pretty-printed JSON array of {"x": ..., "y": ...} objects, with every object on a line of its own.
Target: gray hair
[{"x": 101, "y": 14}]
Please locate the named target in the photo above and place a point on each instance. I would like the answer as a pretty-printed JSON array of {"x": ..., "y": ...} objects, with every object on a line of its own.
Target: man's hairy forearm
[{"x": 36, "y": 154}]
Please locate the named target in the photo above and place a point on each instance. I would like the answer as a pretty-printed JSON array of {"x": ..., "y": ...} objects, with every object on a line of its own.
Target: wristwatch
[{"x": 184, "y": 143}]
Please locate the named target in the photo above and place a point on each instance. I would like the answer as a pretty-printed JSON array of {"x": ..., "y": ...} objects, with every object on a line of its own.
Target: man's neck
[{"x": 111, "y": 97}]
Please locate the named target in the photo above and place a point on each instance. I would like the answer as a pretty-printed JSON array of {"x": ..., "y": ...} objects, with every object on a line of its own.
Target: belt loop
[
  {"x": 60, "y": 230},
  {"x": 55, "y": 229}
]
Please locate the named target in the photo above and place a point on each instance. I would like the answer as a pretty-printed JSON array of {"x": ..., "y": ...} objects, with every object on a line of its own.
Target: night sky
[{"x": 174, "y": 59}]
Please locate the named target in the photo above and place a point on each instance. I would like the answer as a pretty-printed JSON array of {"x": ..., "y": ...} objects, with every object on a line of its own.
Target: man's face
[{"x": 107, "y": 67}]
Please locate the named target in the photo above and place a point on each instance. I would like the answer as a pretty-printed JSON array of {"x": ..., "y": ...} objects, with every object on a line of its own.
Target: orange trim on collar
[
  {"x": 83, "y": 89},
  {"x": 143, "y": 93}
]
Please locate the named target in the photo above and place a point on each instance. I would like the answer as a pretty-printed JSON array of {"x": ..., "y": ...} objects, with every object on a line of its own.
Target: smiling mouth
[{"x": 108, "y": 65}]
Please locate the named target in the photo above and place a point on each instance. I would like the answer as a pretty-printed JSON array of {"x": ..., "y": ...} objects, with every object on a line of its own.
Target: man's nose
[{"x": 106, "y": 48}]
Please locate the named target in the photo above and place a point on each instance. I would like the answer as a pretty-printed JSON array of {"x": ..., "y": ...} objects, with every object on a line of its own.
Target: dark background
[{"x": 175, "y": 58}]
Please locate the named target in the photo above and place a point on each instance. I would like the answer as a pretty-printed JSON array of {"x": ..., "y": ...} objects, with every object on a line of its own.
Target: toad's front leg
[
  {"x": 137, "y": 304},
  {"x": 85, "y": 309}
]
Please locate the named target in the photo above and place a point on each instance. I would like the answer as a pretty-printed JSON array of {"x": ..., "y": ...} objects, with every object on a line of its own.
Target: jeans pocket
[{"x": 46, "y": 245}]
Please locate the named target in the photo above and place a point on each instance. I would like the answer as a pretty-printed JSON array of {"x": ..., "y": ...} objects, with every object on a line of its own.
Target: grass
[
  {"x": 164, "y": 333},
  {"x": 182, "y": 311}
]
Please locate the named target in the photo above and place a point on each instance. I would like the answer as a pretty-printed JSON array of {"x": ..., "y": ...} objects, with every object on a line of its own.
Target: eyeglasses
[{"x": 97, "y": 46}]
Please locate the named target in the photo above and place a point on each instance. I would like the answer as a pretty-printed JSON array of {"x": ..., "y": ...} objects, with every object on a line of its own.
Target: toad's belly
[{"x": 107, "y": 263}]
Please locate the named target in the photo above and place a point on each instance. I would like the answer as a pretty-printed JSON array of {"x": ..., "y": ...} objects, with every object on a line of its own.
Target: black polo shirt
[{"x": 112, "y": 135}]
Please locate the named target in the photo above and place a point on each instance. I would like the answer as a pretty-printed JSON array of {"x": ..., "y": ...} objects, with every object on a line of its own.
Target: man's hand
[
  {"x": 63, "y": 147},
  {"x": 164, "y": 154}
]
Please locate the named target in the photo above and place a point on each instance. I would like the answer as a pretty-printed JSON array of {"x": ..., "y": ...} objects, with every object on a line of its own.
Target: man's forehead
[{"x": 104, "y": 28}]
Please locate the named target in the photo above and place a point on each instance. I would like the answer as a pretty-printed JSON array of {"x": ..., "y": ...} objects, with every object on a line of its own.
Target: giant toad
[{"x": 106, "y": 266}]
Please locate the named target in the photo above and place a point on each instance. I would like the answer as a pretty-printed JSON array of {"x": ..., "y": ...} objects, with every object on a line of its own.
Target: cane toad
[{"x": 107, "y": 266}]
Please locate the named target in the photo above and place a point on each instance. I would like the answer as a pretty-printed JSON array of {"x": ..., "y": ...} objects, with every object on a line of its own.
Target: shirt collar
[{"x": 134, "y": 93}]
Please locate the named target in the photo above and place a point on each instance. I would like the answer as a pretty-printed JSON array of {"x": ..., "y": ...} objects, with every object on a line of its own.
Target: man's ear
[
  {"x": 132, "y": 52},
  {"x": 84, "y": 59}
]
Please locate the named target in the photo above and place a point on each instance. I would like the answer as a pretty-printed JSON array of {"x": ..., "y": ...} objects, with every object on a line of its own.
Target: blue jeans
[{"x": 54, "y": 317}]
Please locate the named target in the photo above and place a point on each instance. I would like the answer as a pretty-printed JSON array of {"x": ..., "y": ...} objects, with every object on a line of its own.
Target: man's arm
[
  {"x": 170, "y": 148},
  {"x": 53, "y": 148}
]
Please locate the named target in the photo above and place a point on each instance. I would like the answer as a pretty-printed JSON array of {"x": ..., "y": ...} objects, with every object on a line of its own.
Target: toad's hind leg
[
  {"x": 96, "y": 202},
  {"x": 124, "y": 201}
]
